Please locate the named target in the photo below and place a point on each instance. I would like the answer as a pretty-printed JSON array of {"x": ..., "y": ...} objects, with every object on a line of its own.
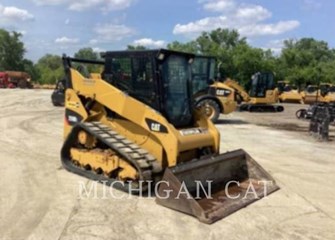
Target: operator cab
[
  {"x": 260, "y": 83},
  {"x": 158, "y": 78}
]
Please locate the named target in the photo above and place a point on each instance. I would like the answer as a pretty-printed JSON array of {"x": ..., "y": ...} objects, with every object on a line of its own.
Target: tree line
[{"x": 302, "y": 62}]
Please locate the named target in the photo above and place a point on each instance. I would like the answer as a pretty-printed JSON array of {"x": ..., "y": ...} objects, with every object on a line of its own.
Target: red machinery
[
  {"x": 4, "y": 80},
  {"x": 13, "y": 79}
]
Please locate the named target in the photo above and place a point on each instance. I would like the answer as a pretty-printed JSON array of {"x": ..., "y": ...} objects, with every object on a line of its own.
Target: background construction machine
[
  {"x": 310, "y": 94},
  {"x": 58, "y": 94},
  {"x": 137, "y": 122},
  {"x": 262, "y": 96},
  {"x": 318, "y": 97},
  {"x": 214, "y": 96},
  {"x": 324, "y": 93},
  {"x": 287, "y": 93},
  {"x": 327, "y": 92},
  {"x": 14, "y": 79},
  {"x": 211, "y": 95}
]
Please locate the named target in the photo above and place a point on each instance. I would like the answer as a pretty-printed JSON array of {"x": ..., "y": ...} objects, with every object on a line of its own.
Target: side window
[
  {"x": 121, "y": 74},
  {"x": 143, "y": 81},
  {"x": 142, "y": 71}
]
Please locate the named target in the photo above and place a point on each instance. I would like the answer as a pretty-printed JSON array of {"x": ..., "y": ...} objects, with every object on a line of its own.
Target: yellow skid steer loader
[{"x": 136, "y": 125}]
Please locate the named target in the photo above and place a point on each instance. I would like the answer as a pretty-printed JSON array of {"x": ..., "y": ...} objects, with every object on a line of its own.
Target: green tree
[
  {"x": 90, "y": 54},
  {"x": 246, "y": 61},
  {"x": 235, "y": 57},
  {"x": 11, "y": 51},
  {"x": 50, "y": 69},
  {"x": 30, "y": 68},
  {"x": 189, "y": 47},
  {"x": 306, "y": 61},
  {"x": 327, "y": 71},
  {"x": 86, "y": 53}
]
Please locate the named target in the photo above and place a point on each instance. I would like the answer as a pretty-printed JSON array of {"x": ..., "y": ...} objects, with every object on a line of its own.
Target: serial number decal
[
  {"x": 72, "y": 104},
  {"x": 88, "y": 82},
  {"x": 73, "y": 119},
  {"x": 193, "y": 131}
]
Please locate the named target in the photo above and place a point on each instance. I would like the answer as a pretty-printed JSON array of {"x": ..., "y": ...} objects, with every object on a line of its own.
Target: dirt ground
[
  {"x": 286, "y": 120},
  {"x": 40, "y": 200}
]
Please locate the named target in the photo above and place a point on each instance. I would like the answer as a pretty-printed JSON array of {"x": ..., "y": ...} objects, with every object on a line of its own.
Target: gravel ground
[{"x": 40, "y": 200}]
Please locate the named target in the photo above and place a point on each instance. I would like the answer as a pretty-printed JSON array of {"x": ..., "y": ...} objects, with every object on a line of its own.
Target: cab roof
[{"x": 151, "y": 52}]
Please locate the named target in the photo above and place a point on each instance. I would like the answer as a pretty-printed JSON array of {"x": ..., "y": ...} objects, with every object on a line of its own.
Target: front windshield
[{"x": 176, "y": 74}]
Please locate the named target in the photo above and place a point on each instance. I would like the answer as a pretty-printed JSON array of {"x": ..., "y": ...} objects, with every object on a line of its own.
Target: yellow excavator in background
[
  {"x": 136, "y": 124},
  {"x": 287, "y": 93},
  {"x": 262, "y": 96}
]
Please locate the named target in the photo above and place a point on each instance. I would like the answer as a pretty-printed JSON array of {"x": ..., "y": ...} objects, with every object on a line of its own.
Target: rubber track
[
  {"x": 260, "y": 108},
  {"x": 136, "y": 156}
]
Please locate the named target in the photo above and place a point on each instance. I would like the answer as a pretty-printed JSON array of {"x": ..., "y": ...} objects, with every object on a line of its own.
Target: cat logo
[
  {"x": 156, "y": 127},
  {"x": 222, "y": 92}
]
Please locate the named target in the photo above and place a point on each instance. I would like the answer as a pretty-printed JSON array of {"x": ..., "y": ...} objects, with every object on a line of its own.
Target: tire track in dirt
[{"x": 31, "y": 137}]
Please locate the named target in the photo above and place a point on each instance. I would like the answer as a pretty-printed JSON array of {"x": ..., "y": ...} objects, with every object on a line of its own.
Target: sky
[{"x": 65, "y": 26}]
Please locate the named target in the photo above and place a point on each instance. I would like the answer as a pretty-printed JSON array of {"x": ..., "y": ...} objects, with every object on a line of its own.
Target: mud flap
[{"x": 212, "y": 188}]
